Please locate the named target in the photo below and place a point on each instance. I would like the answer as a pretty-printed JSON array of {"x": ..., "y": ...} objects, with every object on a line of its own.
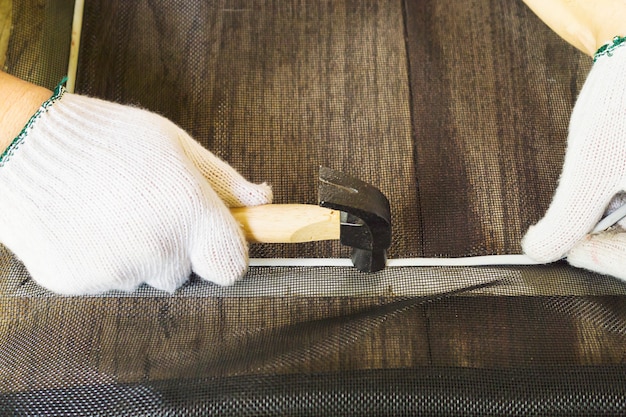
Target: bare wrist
[{"x": 20, "y": 101}]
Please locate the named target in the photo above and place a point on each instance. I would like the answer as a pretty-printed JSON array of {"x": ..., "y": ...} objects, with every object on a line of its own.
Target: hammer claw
[{"x": 363, "y": 205}]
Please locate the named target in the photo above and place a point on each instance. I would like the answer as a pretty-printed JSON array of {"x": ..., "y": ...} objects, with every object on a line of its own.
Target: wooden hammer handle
[{"x": 288, "y": 223}]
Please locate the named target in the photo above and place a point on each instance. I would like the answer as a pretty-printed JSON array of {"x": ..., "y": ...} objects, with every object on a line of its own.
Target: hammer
[{"x": 356, "y": 213}]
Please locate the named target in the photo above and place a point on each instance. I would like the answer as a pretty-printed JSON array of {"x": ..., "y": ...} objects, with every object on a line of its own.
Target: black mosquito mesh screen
[
  {"x": 422, "y": 391},
  {"x": 456, "y": 110},
  {"x": 39, "y": 44},
  {"x": 6, "y": 9}
]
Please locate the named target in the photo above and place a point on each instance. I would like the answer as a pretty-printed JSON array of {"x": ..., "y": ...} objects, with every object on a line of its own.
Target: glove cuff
[
  {"x": 15, "y": 144},
  {"x": 610, "y": 47}
]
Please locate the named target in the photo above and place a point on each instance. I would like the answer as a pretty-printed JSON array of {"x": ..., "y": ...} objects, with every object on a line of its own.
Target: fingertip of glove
[
  {"x": 221, "y": 256},
  {"x": 223, "y": 273},
  {"x": 266, "y": 194},
  {"x": 255, "y": 195},
  {"x": 539, "y": 247}
]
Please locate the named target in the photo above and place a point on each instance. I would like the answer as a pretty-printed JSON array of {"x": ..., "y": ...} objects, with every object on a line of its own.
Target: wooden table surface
[
  {"x": 457, "y": 110},
  {"x": 5, "y": 28}
]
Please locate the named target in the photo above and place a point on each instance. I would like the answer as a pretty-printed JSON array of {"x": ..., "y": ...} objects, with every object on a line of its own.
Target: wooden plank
[
  {"x": 55, "y": 342},
  {"x": 492, "y": 91},
  {"x": 40, "y": 39},
  {"x": 5, "y": 28},
  {"x": 510, "y": 332}
]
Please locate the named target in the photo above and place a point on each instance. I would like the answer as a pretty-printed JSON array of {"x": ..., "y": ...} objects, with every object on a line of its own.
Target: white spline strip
[
  {"x": 611, "y": 219},
  {"x": 490, "y": 260},
  {"x": 77, "y": 25}
]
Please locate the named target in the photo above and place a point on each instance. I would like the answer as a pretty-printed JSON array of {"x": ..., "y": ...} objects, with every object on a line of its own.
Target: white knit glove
[
  {"x": 97, "y": 196},
  {"x": 593, "y": 176}
]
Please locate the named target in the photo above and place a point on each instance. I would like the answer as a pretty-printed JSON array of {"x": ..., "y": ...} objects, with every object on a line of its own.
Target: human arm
[
  {"x": 585, "y": 24},
  {"x": 20, "y": 100}
]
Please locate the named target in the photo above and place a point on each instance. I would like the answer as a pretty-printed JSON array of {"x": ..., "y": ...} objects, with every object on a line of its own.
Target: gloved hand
[
  {"x": 98, "y": 196},
  {"x": 593, "y": 177}
]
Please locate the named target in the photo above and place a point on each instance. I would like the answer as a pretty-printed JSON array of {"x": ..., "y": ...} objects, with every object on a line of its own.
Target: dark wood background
[{"x": 457, "y": 110}]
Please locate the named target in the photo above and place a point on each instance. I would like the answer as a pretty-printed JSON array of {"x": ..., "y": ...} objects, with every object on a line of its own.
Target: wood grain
[
  {"x": 6, "y": 8},
  {"x": 38, "y": 48},
  {"x": 288, "y": 223},
  {"x": 278, "y": 88},
  {"x": 492, "y": 91},
  {"x": 139, "y": 339},
  {"x": 456, "y": 110}
]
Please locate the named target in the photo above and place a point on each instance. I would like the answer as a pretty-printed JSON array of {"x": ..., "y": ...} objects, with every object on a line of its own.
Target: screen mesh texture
[{"x": 457, "y": 111}]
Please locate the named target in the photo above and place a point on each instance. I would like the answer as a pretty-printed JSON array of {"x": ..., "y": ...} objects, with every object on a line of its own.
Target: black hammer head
[{"x": 365, "y": 217}]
